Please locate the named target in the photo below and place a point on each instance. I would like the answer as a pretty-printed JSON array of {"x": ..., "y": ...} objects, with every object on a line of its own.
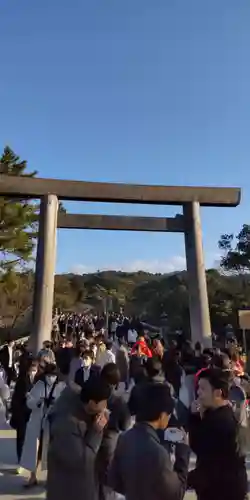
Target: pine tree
[{"x": 18, "y": 219}]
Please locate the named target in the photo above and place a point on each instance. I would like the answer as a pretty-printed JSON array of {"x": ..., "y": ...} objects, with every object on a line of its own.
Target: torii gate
[{"x": 50, "y": 191}]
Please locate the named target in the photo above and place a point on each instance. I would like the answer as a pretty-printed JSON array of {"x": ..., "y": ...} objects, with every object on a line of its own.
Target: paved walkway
[{"x": 11, "y": 485}]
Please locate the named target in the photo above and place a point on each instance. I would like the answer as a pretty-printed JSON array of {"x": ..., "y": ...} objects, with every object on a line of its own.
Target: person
[
  {"x": 142, "y": 347},
  {"x": 64, "y": 355},
  {"x": 4, "y": 394},
  {"x": 113, "y": 327},
  {"x": 87, "y": 369},
  {"x": 158, "y": 348},
  {"x": 76, "y": 430},
  {"x": 141, "y": 468},
  {"x": 47, "y": 352},
  {"x": 7, "y": 360},
  {"x": 140, "y": 379},
  {"x": 106, "y": 356},
  {"x": 100, "y": 349},
  {"x": 172, "y": 368},
  {"x": 119, "y": 421},
  {"x": 205, "y": 363},
  {"x": 39, "y": 400},
  {"x": 214, "y": 437},
  {"x": 236, "y": 363},
  {"x": 122, "y": 361},
  {"x": 24, "y": 358},
  {"x": 132, "y": 336},
  {"x": 20, "y": 413},
  {"x": 76, "y": 362}
]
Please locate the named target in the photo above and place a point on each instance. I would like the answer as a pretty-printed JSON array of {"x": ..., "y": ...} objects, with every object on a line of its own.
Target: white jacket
[
  {"x": 105, "y": 357},
  {"x": 35, "y": 423}
]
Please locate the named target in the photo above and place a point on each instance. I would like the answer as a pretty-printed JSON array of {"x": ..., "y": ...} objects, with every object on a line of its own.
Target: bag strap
[{"x": 50, "y": 396}]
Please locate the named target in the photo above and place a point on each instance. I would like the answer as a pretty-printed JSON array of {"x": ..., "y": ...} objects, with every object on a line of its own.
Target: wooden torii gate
[{"x": 50, "y": 191}]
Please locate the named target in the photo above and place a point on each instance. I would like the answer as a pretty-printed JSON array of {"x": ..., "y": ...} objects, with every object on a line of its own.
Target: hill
[{"x": 149, "y": 295}]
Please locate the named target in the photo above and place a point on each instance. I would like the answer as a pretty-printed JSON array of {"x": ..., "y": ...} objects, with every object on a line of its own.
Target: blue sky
[{"x": 130, "y": 91}]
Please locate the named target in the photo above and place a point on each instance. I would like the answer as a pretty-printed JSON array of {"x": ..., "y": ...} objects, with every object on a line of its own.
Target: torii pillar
[
  {"x": 198, "y": 297},
  {"x": 45, "y": 272}
]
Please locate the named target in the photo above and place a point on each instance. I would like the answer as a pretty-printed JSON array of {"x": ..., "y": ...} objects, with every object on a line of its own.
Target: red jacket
[{"x": 145, "y": 351}]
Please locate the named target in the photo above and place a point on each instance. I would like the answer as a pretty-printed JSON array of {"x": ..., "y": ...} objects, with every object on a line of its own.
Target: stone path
[{"x": 11, "y": 485}]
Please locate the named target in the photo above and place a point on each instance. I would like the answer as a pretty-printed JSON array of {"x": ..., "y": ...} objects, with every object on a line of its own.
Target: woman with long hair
[{"x": 20, "y": 413}]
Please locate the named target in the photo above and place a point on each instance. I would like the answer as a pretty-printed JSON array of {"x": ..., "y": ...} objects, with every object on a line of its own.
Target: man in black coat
[
  {"x": 141, "y": 468},
  {"x": 214, "y": 435}
]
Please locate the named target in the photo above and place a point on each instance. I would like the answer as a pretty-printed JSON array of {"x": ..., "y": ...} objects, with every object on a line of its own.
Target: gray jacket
[
  {"x": 122, "y": 361},
  {"x": 74, "y": 444},
  {"x": 142, "y": 470}
]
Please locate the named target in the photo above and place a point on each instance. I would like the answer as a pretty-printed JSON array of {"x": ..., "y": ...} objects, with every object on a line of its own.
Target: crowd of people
[{"x": 115, "y": 414}]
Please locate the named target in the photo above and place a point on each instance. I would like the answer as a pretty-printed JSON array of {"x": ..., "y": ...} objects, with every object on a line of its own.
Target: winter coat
[
  {"x": 220, "y": 471},
  {"x": 72, "y": 451},
  {"x": 38, "y": 423},
  {"x": 122, "y": 361},
  {"x": 142, "y": 469}
]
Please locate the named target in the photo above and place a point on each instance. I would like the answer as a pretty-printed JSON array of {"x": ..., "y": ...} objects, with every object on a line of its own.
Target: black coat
[
  {"x": 5, "y": 357},
  {"x": 172, "y": 371},
  {"x": 63, "y": 358},
  {"x": 142, "y": 470},
  {"x": 20, "y": 411},
  {"x": 79, "y": 376},
  {"x": 220, "y": 472}
]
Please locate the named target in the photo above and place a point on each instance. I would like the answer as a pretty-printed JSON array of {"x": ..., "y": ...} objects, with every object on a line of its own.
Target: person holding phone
[
  {"x": 142, "y": 468},
  {"x": 76, "y": 432},
  {"x": 220, "y": 471}
]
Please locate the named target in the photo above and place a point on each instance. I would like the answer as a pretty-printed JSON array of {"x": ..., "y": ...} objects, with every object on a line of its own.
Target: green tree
[
  {"x": 18, "y": 218},
  {"x": 236, "y": 250}
]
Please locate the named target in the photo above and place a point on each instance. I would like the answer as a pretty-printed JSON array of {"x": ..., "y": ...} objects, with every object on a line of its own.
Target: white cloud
[{"x": 175, "y": 263}]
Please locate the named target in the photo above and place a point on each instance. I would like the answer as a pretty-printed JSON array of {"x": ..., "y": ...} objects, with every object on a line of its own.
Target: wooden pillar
[
  {"x": 45, "y": 272},
  {"x": 198, "y": 298}
]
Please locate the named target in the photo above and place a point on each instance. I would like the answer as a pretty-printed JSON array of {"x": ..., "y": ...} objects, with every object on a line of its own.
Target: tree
[
  {"x": 236, "y": 250},
  {"x": 16, "y": 294},
  {"x": 18, "y": 219}
]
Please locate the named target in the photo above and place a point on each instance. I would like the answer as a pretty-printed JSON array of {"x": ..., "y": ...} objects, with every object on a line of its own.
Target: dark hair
[
  {"x": 95, "y": 389},
  {"x": 197, "y": 346},
  {"x": 88, "y": 353},
  {"x": 220, "y": 361},
  {"x": 109, "y": 344},
  {"x": 50, "y": 369},
  {"x": 111, "y": 374},
  {"x": 208, "y": 352},
  {"x": 153, "y": 367},
  {"x": 140, "y": 375},
  {"x": 100, "y": 336},
  {"x": 121, "y": 341},
  {"x": 47, "y": 344},
  {"x": 218, "y": 379},
  {"x": 155, "y": 399},
  {"x": 206, "y": 360},
  {"x": 25, "y": 367}
]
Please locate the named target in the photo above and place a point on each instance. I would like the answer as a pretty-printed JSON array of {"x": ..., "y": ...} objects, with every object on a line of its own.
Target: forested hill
[{"x": 141, "y": 293}]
